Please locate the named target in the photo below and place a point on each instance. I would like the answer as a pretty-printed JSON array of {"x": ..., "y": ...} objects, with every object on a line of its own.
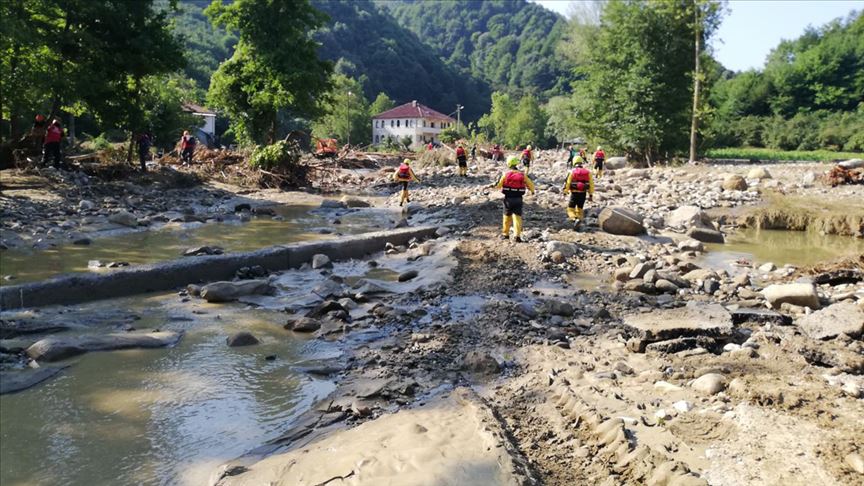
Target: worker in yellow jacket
[{"x": 513, "y": 184}]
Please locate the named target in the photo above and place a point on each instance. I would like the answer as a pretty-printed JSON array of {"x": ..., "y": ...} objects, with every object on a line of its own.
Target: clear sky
[{"x": 751, "y": 28}]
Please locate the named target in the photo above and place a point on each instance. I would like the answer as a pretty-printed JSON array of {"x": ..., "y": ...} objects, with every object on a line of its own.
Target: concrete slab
[{"x": 693, "y": 320}]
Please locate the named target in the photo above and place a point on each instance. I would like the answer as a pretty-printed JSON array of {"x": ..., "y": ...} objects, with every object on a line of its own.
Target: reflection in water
[
  {"x": 163, "y": 416},
  {"x": 299, "y": 224},
  {"x": 799, "y": 248}
]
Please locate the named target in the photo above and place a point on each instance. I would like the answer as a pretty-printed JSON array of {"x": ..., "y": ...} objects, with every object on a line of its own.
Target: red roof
[
  {"x": 412, "y": 110},
  {"x": 193, "y": 108}
]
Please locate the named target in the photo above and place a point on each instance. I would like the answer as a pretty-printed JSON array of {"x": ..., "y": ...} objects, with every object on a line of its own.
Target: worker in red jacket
[
  {"x": 579, "y": 185},
  {"x": 462, "y": 161},
  {"x": 51, "y": 144},
  {"x": 599, "y": 158}
]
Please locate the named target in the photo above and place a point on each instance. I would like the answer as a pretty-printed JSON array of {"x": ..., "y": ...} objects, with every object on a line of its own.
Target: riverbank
[{"x": 593, "y": 355}]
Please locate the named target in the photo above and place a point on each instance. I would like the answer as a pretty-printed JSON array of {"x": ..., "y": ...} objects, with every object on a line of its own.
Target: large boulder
[
  {"x": 321, "y": 260},
  {"x": 844, "y": 317},
  {"x": 228, "y": 291},
  {"x": 124, "y": 218},
  {"x": 852, "y": 164},
  {"x": 56, "y": 348},
  {"x": 567, "y": 249},
  {"x": 621, "y": 221},
  {"x": 758, "y": 173},
  {"x": 614, "y": 163},
  {"x": 735, "y": 183},
  {"x": 241, "y": 338},
  {"x": 353, "y": 202},
  {"x": 687, "y": 217},
  {"x": 706, "y": 235},
  {"x": 803, "y": 294}
]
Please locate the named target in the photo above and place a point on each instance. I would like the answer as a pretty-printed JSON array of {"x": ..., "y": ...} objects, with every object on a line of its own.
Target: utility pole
[
  {"x": 348, "y": 116},
  {"x": 459, "y": 109}
]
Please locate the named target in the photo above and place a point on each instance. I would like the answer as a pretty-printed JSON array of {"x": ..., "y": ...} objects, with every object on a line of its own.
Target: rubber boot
[
  {"x": 517, "y": 227},
  {"x": 404, "y": 197},
  {"x": 572, "y": 213},
  {"x": 505, "y": 228},
  {"x": 580, "y": 213}
]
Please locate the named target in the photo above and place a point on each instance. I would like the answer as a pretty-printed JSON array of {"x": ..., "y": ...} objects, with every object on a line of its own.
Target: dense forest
[
  {"x": 510, "y": 45},
  {"x": 621, "y": 73}
]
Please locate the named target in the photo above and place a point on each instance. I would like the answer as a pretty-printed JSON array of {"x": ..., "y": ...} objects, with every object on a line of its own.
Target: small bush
[{"x": 279, "y": 154}]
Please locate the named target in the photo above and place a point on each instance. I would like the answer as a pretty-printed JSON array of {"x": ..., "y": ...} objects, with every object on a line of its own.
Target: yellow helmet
[
  {"x": 512, "y": 161},
  {"x": 406, "y": 162},
  {"x": 528, "y": 148},
  {"x": 599, "y": 148}
]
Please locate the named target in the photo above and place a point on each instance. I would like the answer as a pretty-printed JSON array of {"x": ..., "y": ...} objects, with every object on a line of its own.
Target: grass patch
[
  {"x": 753, "y": 153},
  {"x": 799, "y": 213}
]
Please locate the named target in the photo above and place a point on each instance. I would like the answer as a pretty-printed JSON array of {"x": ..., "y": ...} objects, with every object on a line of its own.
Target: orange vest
[
  {"x": 579, "y": 179},
  {"x": 514, "y": 183}
]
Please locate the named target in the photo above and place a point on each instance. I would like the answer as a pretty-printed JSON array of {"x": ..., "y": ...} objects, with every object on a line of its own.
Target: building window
[
  {"x": 432, "y": 124},
  {"x": 391, "y": 123},
  {"x": 397, "y": 123},
  {"x": 424, "y": 123}
]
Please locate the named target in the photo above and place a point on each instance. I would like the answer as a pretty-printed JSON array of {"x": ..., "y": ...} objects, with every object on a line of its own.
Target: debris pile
[{"x": 840, "y": 175}]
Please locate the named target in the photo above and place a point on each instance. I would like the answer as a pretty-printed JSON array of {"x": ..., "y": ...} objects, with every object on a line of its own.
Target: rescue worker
[
  {"x": 404, "y": 174},
  {"x": 145, "y": 141},
  {"x": 187, "y": 147},
  {"x": 513, "y": 184},
  {"x": 599, "y": 158},
  {"x": 527, "y": 158},
  {"x": 462, "y": 161},
  {"x": 583, "y": 152},
  {"x": 474, "y": 153},
  {"x": 497, "y": 153},
  {"x": 579, "y": 184},
  {"x": 51, "y": 144},
  {"x": 37, "y": 133},
  {"x": 571, "y": 153}
]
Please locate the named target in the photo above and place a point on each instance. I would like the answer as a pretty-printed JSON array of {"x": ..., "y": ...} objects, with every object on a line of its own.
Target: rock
[
  {"x": 758, "y": 173},
  {"x": 650, "y": 276},
  {"x": 124, "y": 218},
  {"x": 566, "y": 249},
  {"x": 759, "y": 316},
  {"x": 621, "y": 221},
  {"x": 241, "y": 338},
  {"x": 639, "y": 285},
  {"x": 82, "y": 241},
  {"x": 442, "y": 231},
  {"x": 710, "y": 286},
  {"x": 687, "y": 217},
  {"x": 683, "y": 406},
  {"x": 321, "y": 261},
  {"x": 665, "y": 286},
  {"x": 767, "y": 267},
  {"x": 641, "y": 269},
  {"x": 353, "y": 202},
  {"x": 844, "y": 317},
  {"x": 622, "y": 274},
  {"x": 558, "y": 308},
  {"x": 855, "y": 460},
  {"x": 239, "y": 208},
  {"x": 557, "y": 257},
  {"x": 332, "y": 204},
  {"x": 693, "y": 320},
  {"x": 676, "y": 345},
  {"x": 228, "y": 291},
  {"x": 92, "y": 264},
  {"x": 691, "y": 245},
  {"x": 56, "y": 348},
  {"x": 706, "y": 235},
  {"x": 480, "y": 362},
  {"x": 709, "y": 384},
  {"x": 406, "y": 276},
  {"x": 86, "y": 205},
  {"x": 809, "y": 179},
  {"x": 203, "y": 250},
  {"x": 735, "y": 183},
  {"x": 852, "y": 164},
  {"x": 615, "y": 163},
  {"x": 802, "y": 294},
  {"x": 699, "y": 274},
  {"x": 17, "y": 380},
  {"x": 303, "y": 324}
]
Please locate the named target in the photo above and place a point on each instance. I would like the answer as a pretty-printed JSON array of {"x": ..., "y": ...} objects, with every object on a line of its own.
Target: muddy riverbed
[{"x": 588, "y": 357}]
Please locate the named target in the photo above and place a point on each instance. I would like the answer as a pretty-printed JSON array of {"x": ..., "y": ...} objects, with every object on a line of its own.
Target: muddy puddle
[
  {"x": 798, "y": 248},
  {"x": 163, "y": 416},
  {"x": 300, "y": 223}
]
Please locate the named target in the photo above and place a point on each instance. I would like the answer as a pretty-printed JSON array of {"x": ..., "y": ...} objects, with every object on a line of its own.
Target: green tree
[
  {"x": 515, "y": 123},
  {"x": 162, "y": 98},
  {"x": 495, "y": 122},
  {"x": 83, "y": 57},
  {"x": 381, "y": 104},
  {"x": 274, "y": 74},
  {"x": 634, "y": 89},
  {"x": 346, "y": 114},
  {"x": 561, "y": 123}
]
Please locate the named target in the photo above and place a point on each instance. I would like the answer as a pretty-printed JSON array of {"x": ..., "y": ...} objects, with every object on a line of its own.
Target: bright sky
[{"x": 751, "y": 28}]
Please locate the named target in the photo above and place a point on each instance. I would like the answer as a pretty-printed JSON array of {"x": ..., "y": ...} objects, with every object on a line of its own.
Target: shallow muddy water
[
  {"x": 163, "y": 416},
  {"x": 301, "y": 223},
  {"x": 799, "y": 248}
]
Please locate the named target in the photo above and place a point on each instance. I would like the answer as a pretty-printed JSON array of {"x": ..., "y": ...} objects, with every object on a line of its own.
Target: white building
[
  {"x": 419, "y": 122},
  {"x": 207, "y": 132}
]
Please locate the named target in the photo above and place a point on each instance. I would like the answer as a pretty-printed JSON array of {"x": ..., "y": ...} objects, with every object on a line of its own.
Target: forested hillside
[{"x": 509, "y": 44}]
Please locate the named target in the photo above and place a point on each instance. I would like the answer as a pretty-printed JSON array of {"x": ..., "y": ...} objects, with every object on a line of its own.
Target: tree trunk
[
  {"x": 71, "y": 130},
  {"x": 694, "y": 122}
]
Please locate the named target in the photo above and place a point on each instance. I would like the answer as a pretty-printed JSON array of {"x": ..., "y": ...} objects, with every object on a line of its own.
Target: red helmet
[{"x": 40, "y": 118}]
